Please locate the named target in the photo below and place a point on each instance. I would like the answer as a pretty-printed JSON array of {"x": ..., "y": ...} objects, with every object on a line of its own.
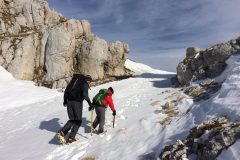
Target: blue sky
[{"x": 157, "y": 31}]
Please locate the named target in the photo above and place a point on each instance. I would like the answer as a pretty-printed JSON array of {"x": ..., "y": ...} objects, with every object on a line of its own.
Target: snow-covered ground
[{"x": 30, "y": 116}]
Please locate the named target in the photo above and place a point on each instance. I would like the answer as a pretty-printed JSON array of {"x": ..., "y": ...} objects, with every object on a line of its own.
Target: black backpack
[{"x": 74, "y": 90}]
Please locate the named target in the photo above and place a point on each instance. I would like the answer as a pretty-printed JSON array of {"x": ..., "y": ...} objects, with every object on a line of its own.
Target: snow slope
[
  {"x": 15, "y": 93},
  {"x": 140, "y": 68},
  {"x": 30, "y": 118}
]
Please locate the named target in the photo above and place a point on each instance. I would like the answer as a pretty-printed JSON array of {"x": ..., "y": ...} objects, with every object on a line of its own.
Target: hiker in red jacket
[{"x": 100, "y": 103}]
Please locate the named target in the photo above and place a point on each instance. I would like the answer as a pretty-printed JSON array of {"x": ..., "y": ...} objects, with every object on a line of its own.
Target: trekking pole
[
  {"x": 91, "y": 122},
  {"x": 113, "y": 121}
]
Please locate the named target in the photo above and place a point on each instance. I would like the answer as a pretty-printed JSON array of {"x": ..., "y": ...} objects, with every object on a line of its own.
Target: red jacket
[{"x": 108, "y": 101}]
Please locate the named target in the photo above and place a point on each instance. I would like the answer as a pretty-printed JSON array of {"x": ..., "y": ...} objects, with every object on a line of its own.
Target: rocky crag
[
  {"x": 206, "y": 140},
  {"x": 201, "y": 64},
  {"x": 39, "y": 44}
]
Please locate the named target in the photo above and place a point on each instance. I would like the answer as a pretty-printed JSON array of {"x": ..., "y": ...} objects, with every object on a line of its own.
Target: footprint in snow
[
  {"x": 108, "y": 137},
  {"x": 72, "y": 151},
  {"x": 146, "y": 125}
]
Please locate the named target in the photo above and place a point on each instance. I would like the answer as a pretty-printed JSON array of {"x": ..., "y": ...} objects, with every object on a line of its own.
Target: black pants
[
  {"x": 74, "y": 110},
  {"x": 100, "y": 119}
]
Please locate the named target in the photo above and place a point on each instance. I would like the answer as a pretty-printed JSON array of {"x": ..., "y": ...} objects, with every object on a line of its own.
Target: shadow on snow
[
  {"x": 54, "y": 126},
  {"x": 165, "y": 83}
]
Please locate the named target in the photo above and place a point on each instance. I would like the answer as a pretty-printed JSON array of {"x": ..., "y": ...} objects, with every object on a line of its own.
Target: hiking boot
[
  {"x": 101, "y": 132},
  {"x": 61, "y": 133},
  {"x": 60, "y": 137},
  {"x": 71, "y": 139}
]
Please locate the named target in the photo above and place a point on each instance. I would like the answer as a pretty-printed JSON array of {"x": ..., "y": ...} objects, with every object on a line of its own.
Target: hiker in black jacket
[{"x": 75, "y": 93}]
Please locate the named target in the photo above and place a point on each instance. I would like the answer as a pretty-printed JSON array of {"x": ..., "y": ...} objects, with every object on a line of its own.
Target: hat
[
  {"x": 88, "y": 78},
  {"x": 111, "y": 89}
]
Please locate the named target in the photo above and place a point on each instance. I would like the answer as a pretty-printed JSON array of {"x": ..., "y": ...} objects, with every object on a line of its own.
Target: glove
[
  {"x": 114, "y": 113},
  {"x": 64, "y": 103},
  {"x": 91, "y": 108}
]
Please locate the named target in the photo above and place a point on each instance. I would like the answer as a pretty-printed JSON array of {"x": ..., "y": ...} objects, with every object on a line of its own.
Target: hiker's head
[
  {"x": 88, "y": 79},
  {"x": 110, "y": 89}
]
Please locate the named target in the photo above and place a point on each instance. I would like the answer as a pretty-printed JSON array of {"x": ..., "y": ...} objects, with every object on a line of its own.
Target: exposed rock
[
  {"x": 155, "y": 103},
  {"x": 192, "y": 51},
  {"x": 86, "y": 27},
  {"x": 23, "y": 62},
  {"x": 169, "y": 108},
  {"x": 174, "y": 80},
  {"x": 60, "y": 47},
  {"x": 206, "y": 140},
  {"x": 39, "y": 44},
  {"x": 168, "y": 105},
  {"x": 203, "y": 91},
  {"x": 94, "y": 54},
  {"x": 184, "y": 73},
  {"x": 117, "y": 56},
  {"x": 209, "y": 63}
]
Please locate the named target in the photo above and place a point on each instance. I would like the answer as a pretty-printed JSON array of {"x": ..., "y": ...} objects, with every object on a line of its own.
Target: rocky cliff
[
  {"x": 209, "y": 63},
  {"x": 39, "y": 44}
]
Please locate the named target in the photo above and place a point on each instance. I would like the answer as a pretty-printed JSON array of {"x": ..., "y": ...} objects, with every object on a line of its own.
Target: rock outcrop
[
  {"x": 203, "y": 90},
  {"x": 201, "y": 64},
  {"x": 39, "y": 44},
  {"x": 206, "y": 140}
]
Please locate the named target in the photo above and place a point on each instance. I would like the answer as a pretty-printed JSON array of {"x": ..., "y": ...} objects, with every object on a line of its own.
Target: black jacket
[{"x": 77, "y": 90}]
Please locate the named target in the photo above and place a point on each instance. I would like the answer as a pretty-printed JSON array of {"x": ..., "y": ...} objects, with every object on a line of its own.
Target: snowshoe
[
  {"x": 71, "y": 140},
  {"x": 103, "y": 133},
  {"x": 60, "y": 137}
]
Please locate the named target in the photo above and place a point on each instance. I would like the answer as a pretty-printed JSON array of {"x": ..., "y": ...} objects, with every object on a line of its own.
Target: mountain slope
[
  {"x": 34, "y": 124},
  {"x": 28, "y": 129}
]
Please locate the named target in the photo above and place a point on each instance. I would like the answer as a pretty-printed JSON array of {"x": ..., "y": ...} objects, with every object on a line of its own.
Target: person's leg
[
  {"x": 96, "y": 121},
  {"x": 77, "y": 110},
  {"x": 101, "y": 119},
  {"x": 70, "y": 122},
  {"x": 67, "y": 126},
  {"x": 76, "y": 126}
]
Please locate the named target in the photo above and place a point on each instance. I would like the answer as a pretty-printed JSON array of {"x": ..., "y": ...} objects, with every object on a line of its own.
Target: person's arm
[
  {"x": 85, "y": 94},
  {"x": 65, "y": 96},
  {"x": 110, "y": 102}
]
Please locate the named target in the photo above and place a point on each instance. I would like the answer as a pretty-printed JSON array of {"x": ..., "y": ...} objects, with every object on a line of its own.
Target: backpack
[
  {"x": 99, "y": 98},
  {"x": 74, "y": 89}
]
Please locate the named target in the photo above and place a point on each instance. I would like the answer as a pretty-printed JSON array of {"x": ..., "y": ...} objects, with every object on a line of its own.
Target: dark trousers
[
  {"x": 100, "y": 119},
  {"x": 74, "y": 110}
]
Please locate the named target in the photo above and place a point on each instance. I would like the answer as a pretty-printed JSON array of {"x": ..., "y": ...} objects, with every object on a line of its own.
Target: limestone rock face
[
  {"x": 118, "y": 52},
  {"x": 58, "y": 54},
  {"x": 94, "y": 54},
  {"x": 39, "y": 44},
  {"x": 23, "y": 62},
  {"x": 209, "y": 63}
]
